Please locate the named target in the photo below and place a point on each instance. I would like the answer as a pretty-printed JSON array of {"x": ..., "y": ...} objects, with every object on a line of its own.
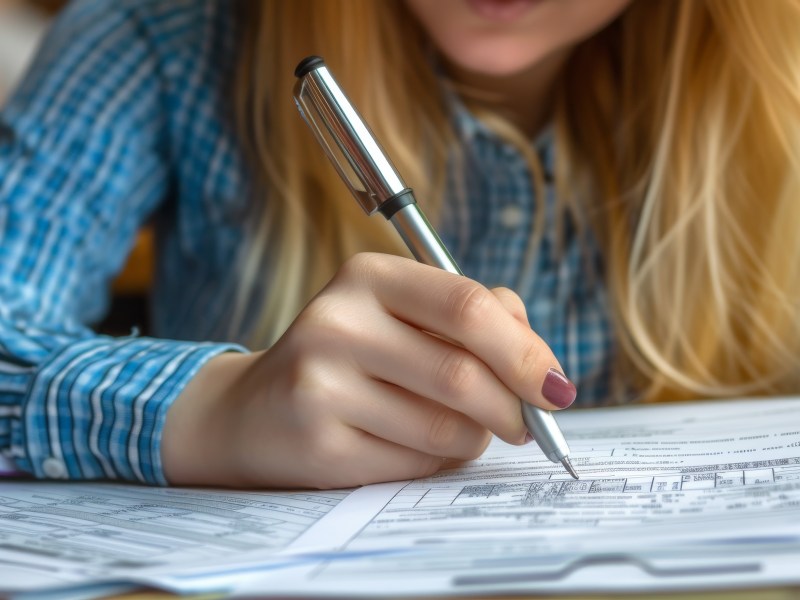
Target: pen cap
[{"x": 344, "y": 136}]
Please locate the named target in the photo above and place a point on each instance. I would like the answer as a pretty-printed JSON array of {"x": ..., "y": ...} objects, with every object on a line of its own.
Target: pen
[{"x": 376, "y": 185}]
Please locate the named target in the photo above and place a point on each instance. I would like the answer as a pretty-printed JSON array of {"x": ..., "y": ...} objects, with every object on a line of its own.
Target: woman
[{"x": 628, "y": 167}]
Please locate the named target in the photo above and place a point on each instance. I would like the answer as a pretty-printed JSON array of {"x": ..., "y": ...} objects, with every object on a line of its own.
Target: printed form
[
  {"x": 59, "y": 535},
  {"x": 675, "y": 496},
  {"x": 683, "y": 496}
]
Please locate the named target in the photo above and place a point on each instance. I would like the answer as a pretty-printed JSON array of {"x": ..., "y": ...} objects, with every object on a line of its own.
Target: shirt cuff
[{"x": 96, "y": 408}]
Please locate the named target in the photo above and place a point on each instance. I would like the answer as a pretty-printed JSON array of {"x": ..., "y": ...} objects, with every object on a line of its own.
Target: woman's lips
[{"x": 501, "y": 10}]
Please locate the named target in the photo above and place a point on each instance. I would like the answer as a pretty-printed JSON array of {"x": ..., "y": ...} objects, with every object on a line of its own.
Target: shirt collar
[{"x": 471, "y": 130}]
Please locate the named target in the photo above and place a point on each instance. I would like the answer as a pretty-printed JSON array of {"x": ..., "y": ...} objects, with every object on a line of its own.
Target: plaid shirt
[{"x": 122, "y": 119}]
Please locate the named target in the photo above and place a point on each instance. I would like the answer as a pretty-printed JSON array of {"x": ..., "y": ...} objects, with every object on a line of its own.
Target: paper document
[
  {"x": 57, "y": 534},
  {"x": 670, "y": 497},
  {"x": 684, "y": 496}
]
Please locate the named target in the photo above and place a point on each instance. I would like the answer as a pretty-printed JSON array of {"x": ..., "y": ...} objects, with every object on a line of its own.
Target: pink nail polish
[{"x": 559, "y": 390}]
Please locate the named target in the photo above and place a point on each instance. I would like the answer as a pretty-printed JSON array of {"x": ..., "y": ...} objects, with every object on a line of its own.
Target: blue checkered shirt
[{"x": 123, "y": 119}]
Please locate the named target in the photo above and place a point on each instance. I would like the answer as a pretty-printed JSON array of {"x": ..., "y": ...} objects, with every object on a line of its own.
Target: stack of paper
[{"x": 688, "y": 496}]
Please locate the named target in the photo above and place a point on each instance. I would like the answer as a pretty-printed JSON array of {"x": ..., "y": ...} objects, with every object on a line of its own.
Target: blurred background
[{"x": 22, "y": 25}]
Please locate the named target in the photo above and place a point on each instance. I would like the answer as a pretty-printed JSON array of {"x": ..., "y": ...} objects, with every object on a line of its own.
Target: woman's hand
[{"x": 391, "y": 369}]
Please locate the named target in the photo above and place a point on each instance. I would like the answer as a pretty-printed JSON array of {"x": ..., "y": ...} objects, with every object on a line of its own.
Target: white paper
[
  {"x": 670, "y": 497},
  {"x": 688, "y": 496},
  {"x": 63, "y": 534}
]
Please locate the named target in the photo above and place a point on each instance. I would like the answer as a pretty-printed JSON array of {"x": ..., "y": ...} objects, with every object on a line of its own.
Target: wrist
[{"x": 196, "y": 441}]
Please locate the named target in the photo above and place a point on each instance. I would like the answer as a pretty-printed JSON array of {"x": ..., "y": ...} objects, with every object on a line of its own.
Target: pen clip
[{"x": 347, "y": 140}]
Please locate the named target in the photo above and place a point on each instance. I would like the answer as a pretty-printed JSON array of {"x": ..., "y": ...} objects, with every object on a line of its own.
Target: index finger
[{"x": 463, "y": 310}]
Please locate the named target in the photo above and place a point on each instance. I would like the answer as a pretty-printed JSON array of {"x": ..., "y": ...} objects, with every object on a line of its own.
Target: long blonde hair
[{"x": 677, "y": 140}]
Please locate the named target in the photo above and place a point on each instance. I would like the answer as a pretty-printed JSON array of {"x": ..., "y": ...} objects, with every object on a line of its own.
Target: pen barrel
[
  {"x": 545, "y": 431},
  {"x": 344, "y": 136},
  {"x": 422, "y": 240}
]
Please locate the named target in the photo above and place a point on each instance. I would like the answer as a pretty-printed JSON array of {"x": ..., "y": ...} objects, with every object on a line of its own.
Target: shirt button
[
  {"x": 512, "y": 216},
  {"x": 54, "y": 468}
]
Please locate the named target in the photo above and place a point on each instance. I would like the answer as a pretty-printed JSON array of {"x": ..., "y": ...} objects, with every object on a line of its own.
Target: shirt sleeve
[{"x": 83, "y": 163}]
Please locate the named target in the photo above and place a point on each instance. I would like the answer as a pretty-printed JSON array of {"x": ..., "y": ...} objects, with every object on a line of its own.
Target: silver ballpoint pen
[{"x": 373, "y": 180}]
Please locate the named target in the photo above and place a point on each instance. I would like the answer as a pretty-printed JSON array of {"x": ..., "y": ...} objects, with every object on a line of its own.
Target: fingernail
[
  {"x": 559, "y": 390},
  {"x": 528, "y": 438}
]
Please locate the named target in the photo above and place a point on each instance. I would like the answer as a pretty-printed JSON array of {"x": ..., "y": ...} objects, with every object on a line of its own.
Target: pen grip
[{"x": 542, "y": 426}]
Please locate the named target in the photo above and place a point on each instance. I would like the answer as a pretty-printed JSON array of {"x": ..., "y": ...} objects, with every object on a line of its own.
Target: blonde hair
[{"x": 678, "y": 143}]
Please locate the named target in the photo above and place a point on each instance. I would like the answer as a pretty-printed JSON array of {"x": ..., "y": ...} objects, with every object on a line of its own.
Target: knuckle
[
  {"x": 471, "y": 305},
  {"x": 362, "y": 266},
  {"x": 319, "y": 315},
  {"x": 457, "y": 375},
  {"x": 312, "y": 387},
  {"x": 527, "y": 361},
  {"x": 510, "y": 300},
  {"x": 507, "y": 294},
  {"x": 329, "y": 322},
  {"x": 443, "y": 432}
]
